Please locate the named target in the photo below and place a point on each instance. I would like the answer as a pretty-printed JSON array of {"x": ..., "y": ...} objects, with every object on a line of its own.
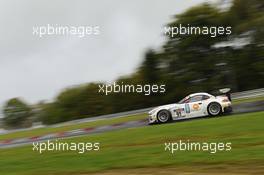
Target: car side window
[
  {"x": 196, "y": 98},
  {"x": 205, "y": 97}
]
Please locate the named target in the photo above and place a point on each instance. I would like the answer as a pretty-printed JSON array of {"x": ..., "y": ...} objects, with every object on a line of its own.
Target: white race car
[{"x": 194, "y": 105}]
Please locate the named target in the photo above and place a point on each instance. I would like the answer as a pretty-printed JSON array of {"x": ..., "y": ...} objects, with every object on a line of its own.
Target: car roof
[{"x": 200, "y": 93}]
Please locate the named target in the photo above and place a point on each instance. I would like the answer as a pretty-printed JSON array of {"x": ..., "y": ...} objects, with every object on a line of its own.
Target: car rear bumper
[{"x": 228, "y": 109}]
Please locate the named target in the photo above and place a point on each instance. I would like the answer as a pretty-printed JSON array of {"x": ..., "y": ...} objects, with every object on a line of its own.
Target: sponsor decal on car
[{"x": 196, "y": 106}]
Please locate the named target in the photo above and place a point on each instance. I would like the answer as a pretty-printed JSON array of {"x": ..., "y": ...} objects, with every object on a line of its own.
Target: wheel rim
[
  {"x": 163, "y": 117},
  {"x": 214, "y": 109}
]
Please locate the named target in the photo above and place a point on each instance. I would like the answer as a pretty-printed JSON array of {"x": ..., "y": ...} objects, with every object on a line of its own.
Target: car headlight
[{"x": 152, "y": 111}]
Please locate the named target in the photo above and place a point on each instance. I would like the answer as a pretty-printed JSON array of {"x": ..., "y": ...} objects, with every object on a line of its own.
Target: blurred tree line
[
  {"x": 185, "y": 64},
  {"x": 16, "y": 114}
]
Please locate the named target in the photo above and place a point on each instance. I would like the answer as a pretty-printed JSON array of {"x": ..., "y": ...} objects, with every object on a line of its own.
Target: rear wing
[{"x": 226, "y": 91}]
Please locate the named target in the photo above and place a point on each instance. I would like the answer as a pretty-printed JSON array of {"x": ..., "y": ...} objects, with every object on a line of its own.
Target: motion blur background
[{"x": 131, "y": 48}]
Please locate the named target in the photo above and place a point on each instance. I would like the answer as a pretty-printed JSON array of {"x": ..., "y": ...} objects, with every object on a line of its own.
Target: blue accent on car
[{"x": 187, "y": 108}]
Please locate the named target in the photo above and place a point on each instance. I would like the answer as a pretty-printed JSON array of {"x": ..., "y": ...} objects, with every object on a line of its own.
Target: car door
[
  {"x": 196, "y": 106},
  {"x": 178, "y": 111}
]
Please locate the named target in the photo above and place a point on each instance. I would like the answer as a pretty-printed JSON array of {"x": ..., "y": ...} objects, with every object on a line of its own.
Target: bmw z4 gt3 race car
[{"x": 194, "y": 105}]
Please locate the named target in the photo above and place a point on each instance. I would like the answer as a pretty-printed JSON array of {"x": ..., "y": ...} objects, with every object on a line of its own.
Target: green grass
[
  {"x": 144, "y": 147},
  {"x": 48, "y": 130}
]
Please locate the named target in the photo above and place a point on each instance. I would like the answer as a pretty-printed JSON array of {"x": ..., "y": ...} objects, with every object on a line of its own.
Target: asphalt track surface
[
  {"x": 235, "y": 96},
  {"x": 237, "y": 109}
]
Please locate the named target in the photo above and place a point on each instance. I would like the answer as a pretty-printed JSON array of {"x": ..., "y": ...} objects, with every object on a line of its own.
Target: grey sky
[{"x": 38, "y": 68}]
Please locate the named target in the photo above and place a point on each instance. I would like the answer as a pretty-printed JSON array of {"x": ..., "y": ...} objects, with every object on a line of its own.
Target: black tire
[
  {"x": 214, "y": 109},
  {"x": 164, "y": 116}
]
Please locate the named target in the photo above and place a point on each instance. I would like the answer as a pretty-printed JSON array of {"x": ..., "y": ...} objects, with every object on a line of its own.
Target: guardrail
[
  {"x": 248, "y": 94},
  {"x": 237, "y": 95}
]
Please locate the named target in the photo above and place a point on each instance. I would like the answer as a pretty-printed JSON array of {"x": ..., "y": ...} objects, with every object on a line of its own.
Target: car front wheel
[{"x": 164, "y": 116}]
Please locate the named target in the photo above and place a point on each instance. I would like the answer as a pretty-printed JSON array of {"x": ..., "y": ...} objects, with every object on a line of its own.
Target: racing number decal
[
  {"x": 196, "y": 106},
  {"x": 179, "y": 111}
]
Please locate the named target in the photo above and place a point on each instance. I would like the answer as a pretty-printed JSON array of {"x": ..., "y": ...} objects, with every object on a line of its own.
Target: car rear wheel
[
  {"x": 214, "y": 109},
  {"x": 164, "y": 116}
]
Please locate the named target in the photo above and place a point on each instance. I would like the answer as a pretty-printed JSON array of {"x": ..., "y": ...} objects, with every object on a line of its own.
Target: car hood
[{"x": 168, "y": 106}]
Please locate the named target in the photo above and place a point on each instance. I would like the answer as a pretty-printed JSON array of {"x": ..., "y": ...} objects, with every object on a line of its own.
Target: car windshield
[{"x": 184, "y": 100}]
